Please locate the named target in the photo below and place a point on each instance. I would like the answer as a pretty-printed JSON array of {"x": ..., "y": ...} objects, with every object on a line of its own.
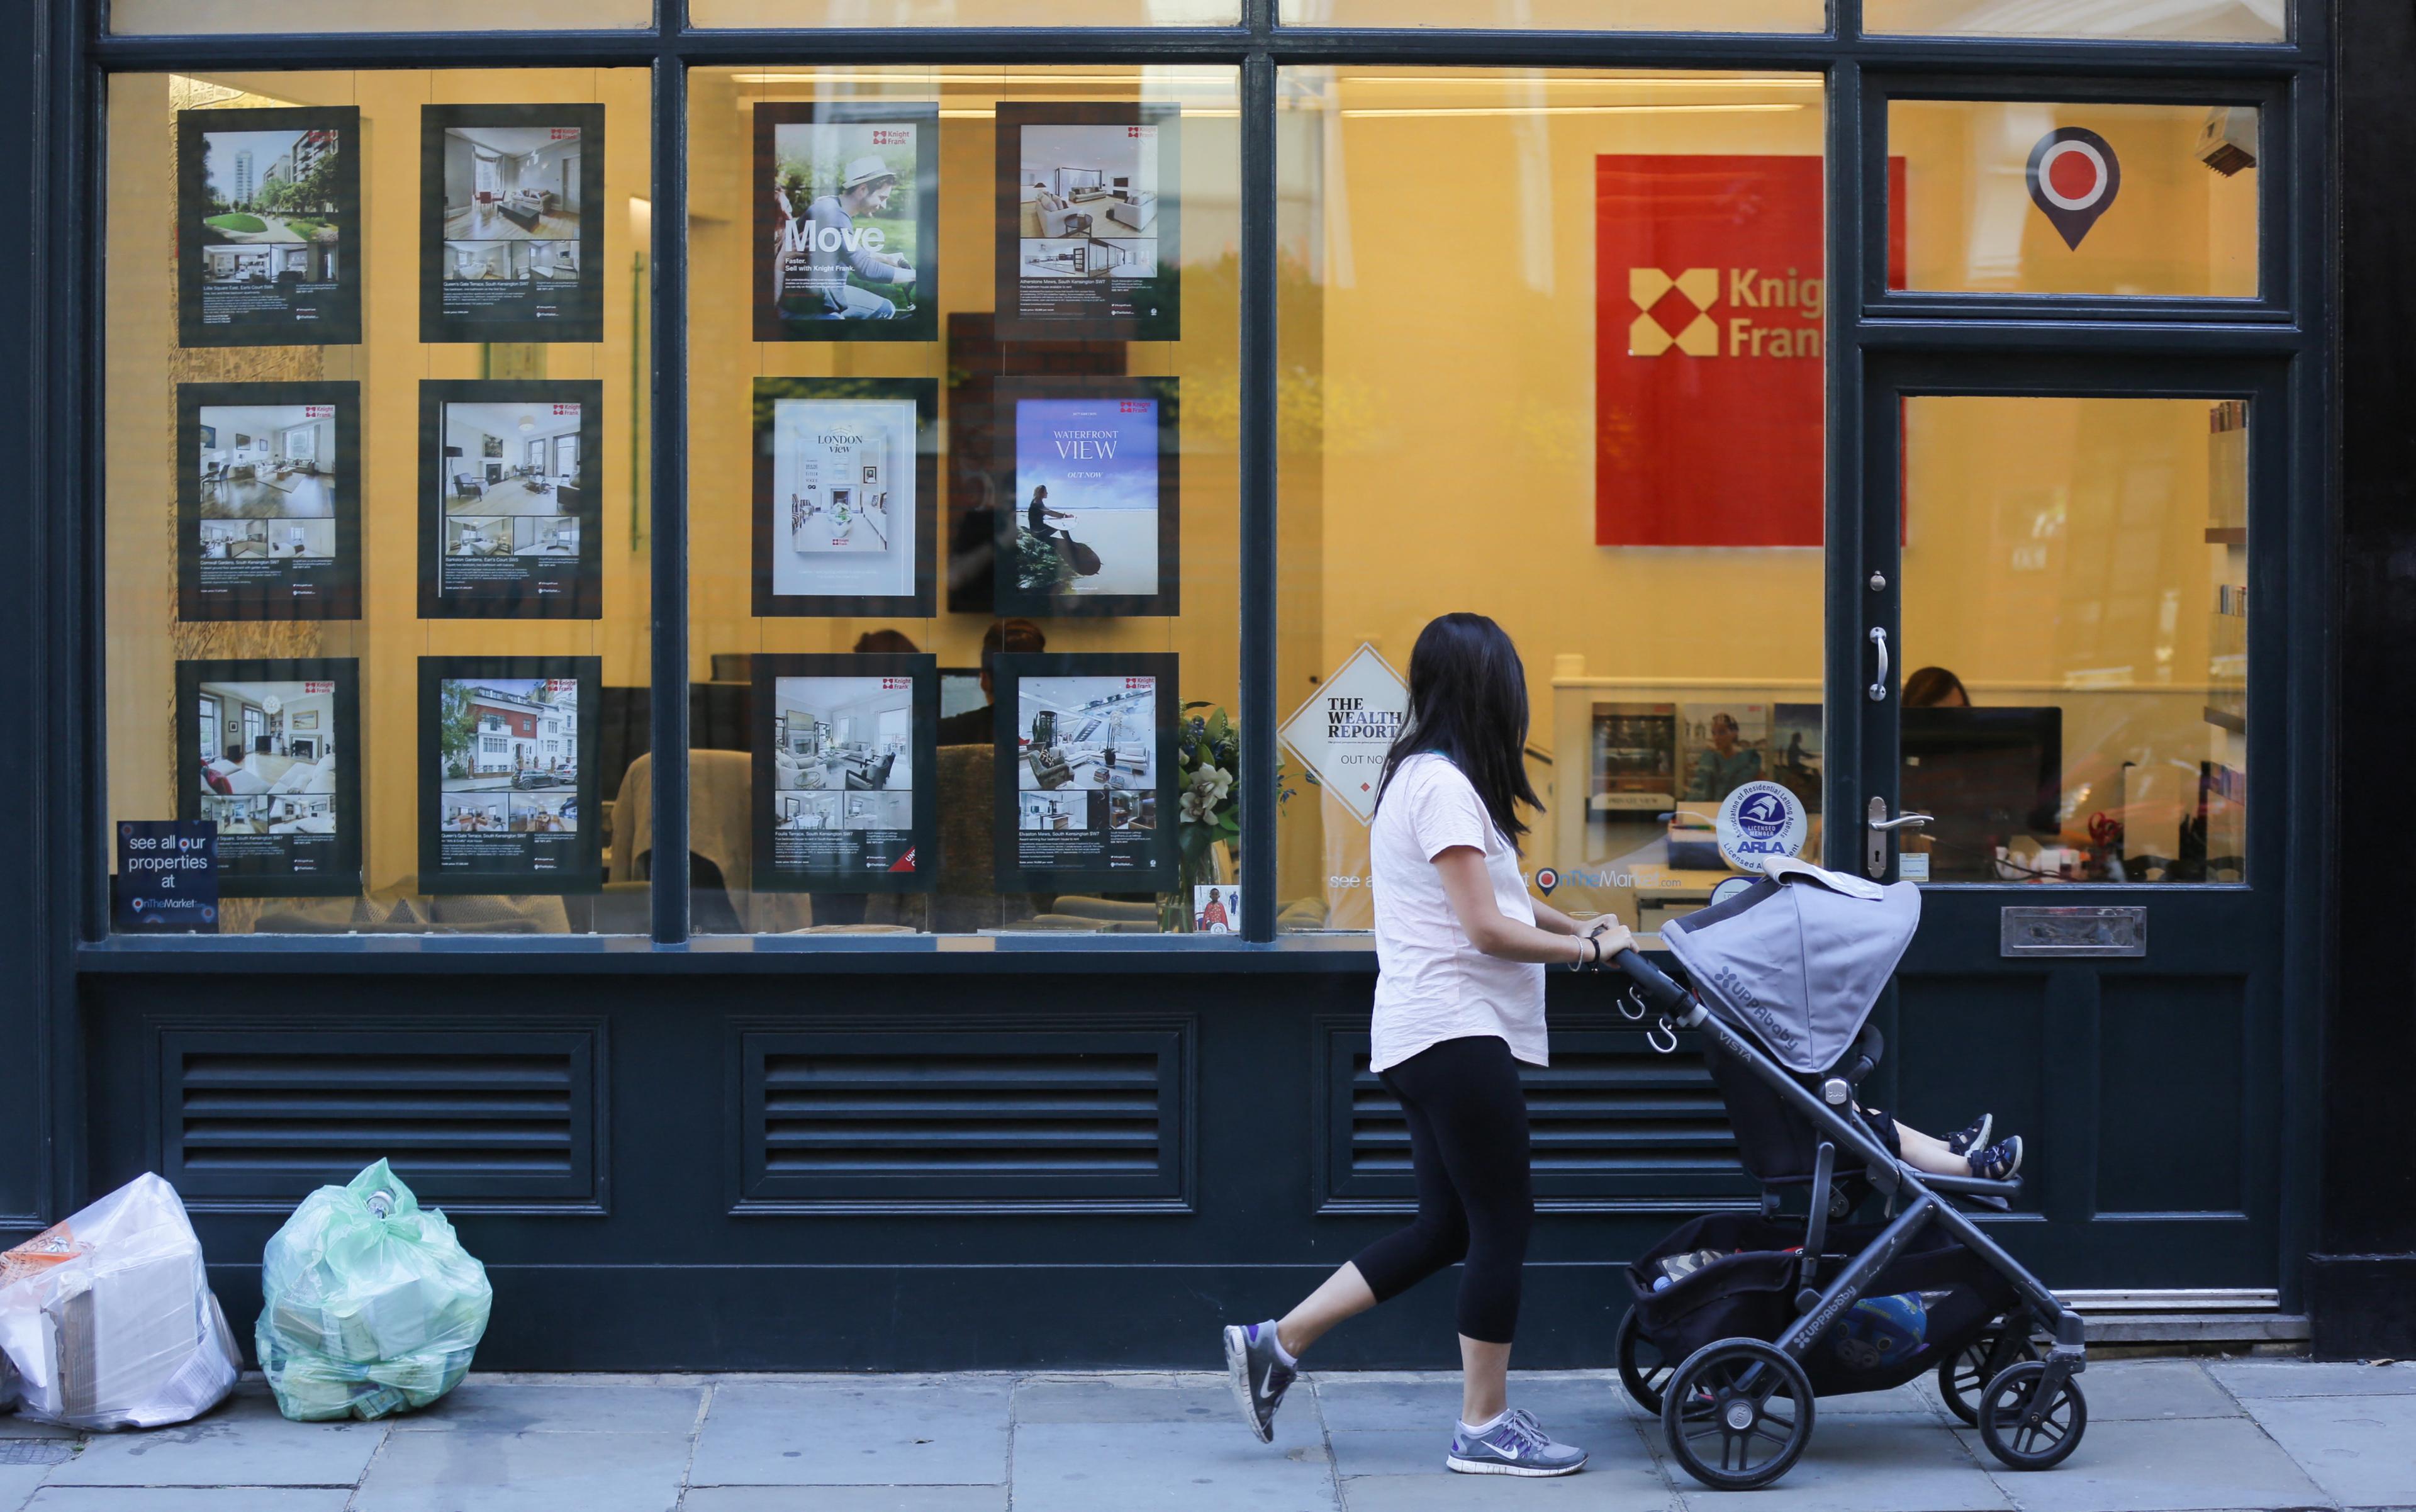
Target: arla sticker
[
  {"x": 1759, "y": 821},
  {"x": 1341, "y": 733}
]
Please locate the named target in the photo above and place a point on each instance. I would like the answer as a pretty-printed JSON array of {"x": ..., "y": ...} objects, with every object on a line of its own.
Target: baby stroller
[{"x": 1741, "y": 1319}]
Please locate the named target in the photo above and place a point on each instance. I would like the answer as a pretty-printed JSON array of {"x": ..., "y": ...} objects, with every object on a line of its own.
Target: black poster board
[
  {"x": 1086, "y": 779},
  {"x": 510, "y": 519},
  {"x": 507, "y": 771},
  {"x": 268, "y": 226},
  {"x": 511, "y": 223},
  {"x": 846, "y": 766},
  {"x": 270, "y": 751},
  {"x": 1092, "y": 470},
  {"x": 846, "y": 495},
  {"x": 847, "y": 221},
  {"x": 269, "y": 501},
  {"x": 1089, "y": 221}
]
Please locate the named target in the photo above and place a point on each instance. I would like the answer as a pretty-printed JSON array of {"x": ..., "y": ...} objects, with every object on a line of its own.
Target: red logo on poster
[
  {"x": 904, "y": 863},
  {"x": 1711, "y": 317}
]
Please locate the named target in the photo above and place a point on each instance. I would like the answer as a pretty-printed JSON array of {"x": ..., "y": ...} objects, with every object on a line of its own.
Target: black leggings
[{"x": 1468, "y": 1139}]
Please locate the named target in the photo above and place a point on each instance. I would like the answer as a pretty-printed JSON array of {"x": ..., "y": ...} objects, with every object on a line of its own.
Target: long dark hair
[{"x": 1468, "y": 701}]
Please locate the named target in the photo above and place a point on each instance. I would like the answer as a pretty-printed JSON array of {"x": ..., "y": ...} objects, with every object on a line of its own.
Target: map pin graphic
[{"x": 2074, "y": 177}]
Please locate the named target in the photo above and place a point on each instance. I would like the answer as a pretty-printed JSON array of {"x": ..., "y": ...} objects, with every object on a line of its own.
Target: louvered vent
[
  {"x": 467, "y": 1119},
  {"x": 1611, "y": 1124},
  {"x": 1010, "y": 1117}
]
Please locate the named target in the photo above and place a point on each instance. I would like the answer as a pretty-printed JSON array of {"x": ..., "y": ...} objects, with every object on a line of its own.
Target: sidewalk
[{"x": 2163, "y": 1436}]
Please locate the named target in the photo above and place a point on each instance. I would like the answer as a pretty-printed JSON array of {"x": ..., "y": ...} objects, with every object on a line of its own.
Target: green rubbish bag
[{"x": 371, "y": 1306}]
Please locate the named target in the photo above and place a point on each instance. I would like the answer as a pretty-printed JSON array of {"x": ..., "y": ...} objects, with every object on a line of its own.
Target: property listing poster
[
  {"x": 1089, "y": 215},
  {"x": 1085, "y": 772},
  {"x": 845, "y": 752},
  {"x": 847, "y": 222},
  {"x": 508, "y": 775},
  {"x": 511, "y": 519},
  {"x": 269, "y": 514},
  {"x": 511, "y": 229},
  {"x": 269, "y": 752},
  {"x": 268, "y": 225},
  {"x": 1092, "y": 472},
  {"x": 1711, "y": 314},
  {"x": 845, "y": 473}
]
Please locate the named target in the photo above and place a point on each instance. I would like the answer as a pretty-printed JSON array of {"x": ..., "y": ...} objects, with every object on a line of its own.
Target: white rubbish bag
[{"x": 107, "y": 1320}]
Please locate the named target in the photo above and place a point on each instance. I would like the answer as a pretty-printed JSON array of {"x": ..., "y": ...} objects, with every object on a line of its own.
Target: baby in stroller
[{"x": 1742, "y": 1319}]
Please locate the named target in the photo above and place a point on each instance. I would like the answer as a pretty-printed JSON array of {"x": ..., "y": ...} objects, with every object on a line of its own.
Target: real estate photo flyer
[
  {"x": 846, "y": 471},
  {"x": 511, "y": 230},
  {"x": 1092, "y": 470},
  {"x": 268, "y": 512},
  {"x": 509, "y": 516},
  {"x": 269, "y": 751},
  {"x": 1086, "y": 793},
  {"x": 268, "y": 217},
  {"x": 1089, "y": 217},
  {"x": 508, "y": 775},
  {"x": 847, "y": 222},
  {"x": 844, "y": 757}
]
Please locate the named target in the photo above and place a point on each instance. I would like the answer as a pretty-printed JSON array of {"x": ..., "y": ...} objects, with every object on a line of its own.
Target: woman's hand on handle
[{"x": 1611, "y": 935}]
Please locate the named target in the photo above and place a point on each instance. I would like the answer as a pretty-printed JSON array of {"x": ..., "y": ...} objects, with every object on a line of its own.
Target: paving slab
[
  {"x": 1911, "y": 1399},
  {"x": 189, "y": 1499},
  {"x": 470, "y": 1471},
  {"x": 2206, "y": 1464},
  {"x": 1567, "y": 1406},
  {"x": 2300, "y": 1378},
  {"x": 1161, "y": 1399},
  {"x": 18, "y": 1482},
  {"x": 1171, "y": 1467},
  {"x": 1589, "y": 1490},
  {"x": 2133, "y": 1390},
  {"x": 1868, "y": 1462},
  {"x": 17, "y": 1425},
  {"x": 242, "y": 1442},
  {"x": 499, "y": 1407},
  {"x": 914, "y": 1431},
  {"x": 2361, "y": 1450},
  {"x": 846, "y": 1499},
  {"x": 1621, "y": 1469}
]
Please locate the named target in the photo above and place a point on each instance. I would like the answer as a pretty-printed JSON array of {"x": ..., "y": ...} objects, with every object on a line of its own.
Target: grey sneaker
[
  {"x": 1259, "y": 1375},
  {"x": 1517, "y": 1445}
]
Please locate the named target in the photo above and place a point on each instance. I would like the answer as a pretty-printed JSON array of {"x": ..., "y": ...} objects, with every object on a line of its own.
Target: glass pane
[
  {"x": 1566, "y": 15},
  {"x": 129, "y": 18},
  {"x": 962, "y": 421},
  {"x": 1582, "y": 393},
  {"x": 2025, "y": 197},
  {"x": 2176, "y": 21},
  {"x": 867, "y": 13},
  {"x": 2075, "y": 619},
  {"x": 377, "y": 590}
]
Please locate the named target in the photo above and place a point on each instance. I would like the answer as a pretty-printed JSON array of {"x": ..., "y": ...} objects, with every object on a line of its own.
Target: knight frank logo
[
  {"x": 1648, "y": 287},
  {"x": 1769, "y": 312}
]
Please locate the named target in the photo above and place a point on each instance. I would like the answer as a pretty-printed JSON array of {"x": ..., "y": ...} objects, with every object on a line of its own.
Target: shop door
[{"x": 2048, "y": 654}]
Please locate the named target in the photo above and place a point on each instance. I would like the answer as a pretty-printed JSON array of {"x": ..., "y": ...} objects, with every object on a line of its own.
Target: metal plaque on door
[{"x": 2079, "y": 932}]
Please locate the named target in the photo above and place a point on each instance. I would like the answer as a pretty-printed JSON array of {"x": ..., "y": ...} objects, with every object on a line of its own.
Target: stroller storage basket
[{"x": 1930, "y": 1301}]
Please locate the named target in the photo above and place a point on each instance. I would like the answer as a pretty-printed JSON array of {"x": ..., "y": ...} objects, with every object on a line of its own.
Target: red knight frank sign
[{"x": 1711, "y": 314}]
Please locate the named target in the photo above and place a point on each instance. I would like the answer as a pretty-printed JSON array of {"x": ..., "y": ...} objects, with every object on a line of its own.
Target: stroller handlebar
[{"x": 1660, "y": 994}]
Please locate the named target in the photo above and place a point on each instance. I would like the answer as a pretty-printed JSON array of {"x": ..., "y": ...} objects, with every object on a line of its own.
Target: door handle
[
  {"x": 1879, "y": 640},
  {"x": 1875, "y": 849}
]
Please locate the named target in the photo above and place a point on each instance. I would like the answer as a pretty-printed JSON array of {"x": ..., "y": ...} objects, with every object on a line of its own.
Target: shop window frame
[
  {"x": 2270, "y": 96},
  {"x": 2289, "y": 80}
]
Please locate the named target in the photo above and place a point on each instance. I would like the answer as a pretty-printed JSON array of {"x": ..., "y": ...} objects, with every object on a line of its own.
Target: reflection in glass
[{"x": 2176, "y": 21}]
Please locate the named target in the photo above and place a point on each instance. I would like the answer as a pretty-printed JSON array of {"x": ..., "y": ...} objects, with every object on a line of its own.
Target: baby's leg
[{"x": 1929, "y": 1155}]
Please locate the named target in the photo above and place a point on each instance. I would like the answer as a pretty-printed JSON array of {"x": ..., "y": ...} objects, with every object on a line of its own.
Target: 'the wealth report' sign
[
  {"x": 1711, "y": 322},
  {"x": 1341, "y": 733}
]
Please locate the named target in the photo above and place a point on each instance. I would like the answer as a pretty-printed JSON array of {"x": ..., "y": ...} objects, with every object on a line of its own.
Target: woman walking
[{"x": 1460, "y": 952}]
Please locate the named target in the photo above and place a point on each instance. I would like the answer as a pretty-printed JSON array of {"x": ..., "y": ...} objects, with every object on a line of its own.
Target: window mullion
[{"x": 669, "y": 735}]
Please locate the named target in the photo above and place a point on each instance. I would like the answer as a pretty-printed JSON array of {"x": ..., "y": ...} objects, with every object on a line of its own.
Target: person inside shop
[
  {"x": 1460, "y": 951},
  {"x": 833, "y": 250},
  {"x": 1724, "y": 767},
  {"x": 886, "y": 641},
  {"x": 979, "y": 727},
  {"x": 1935, "y": 688}
]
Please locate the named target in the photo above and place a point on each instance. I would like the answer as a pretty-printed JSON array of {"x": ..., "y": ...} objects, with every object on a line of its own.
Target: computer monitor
[{"x": 1988, "y": 774}]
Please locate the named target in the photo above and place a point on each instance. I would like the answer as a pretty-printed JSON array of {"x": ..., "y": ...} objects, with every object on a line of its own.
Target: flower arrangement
[{"x": 1208, "y": 771}]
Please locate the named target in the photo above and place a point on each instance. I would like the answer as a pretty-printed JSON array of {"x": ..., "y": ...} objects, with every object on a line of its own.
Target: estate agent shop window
[{"x": 1025, "y": 596}]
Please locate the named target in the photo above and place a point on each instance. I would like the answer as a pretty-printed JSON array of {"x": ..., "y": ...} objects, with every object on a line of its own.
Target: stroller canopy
[{"x": 1798, "y": 961}]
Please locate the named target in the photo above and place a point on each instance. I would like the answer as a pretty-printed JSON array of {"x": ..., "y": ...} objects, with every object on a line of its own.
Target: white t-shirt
[{"x": 1432, "y": 985}]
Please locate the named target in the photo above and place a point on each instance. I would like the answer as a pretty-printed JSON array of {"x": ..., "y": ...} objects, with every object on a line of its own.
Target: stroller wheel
[
  {"x": 1643, "y": 1369},
  {"x": 2023, "y": 1439},
  {"x": 1961, "y": 1374},
  {"x": 1738, "y": 1413}
]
